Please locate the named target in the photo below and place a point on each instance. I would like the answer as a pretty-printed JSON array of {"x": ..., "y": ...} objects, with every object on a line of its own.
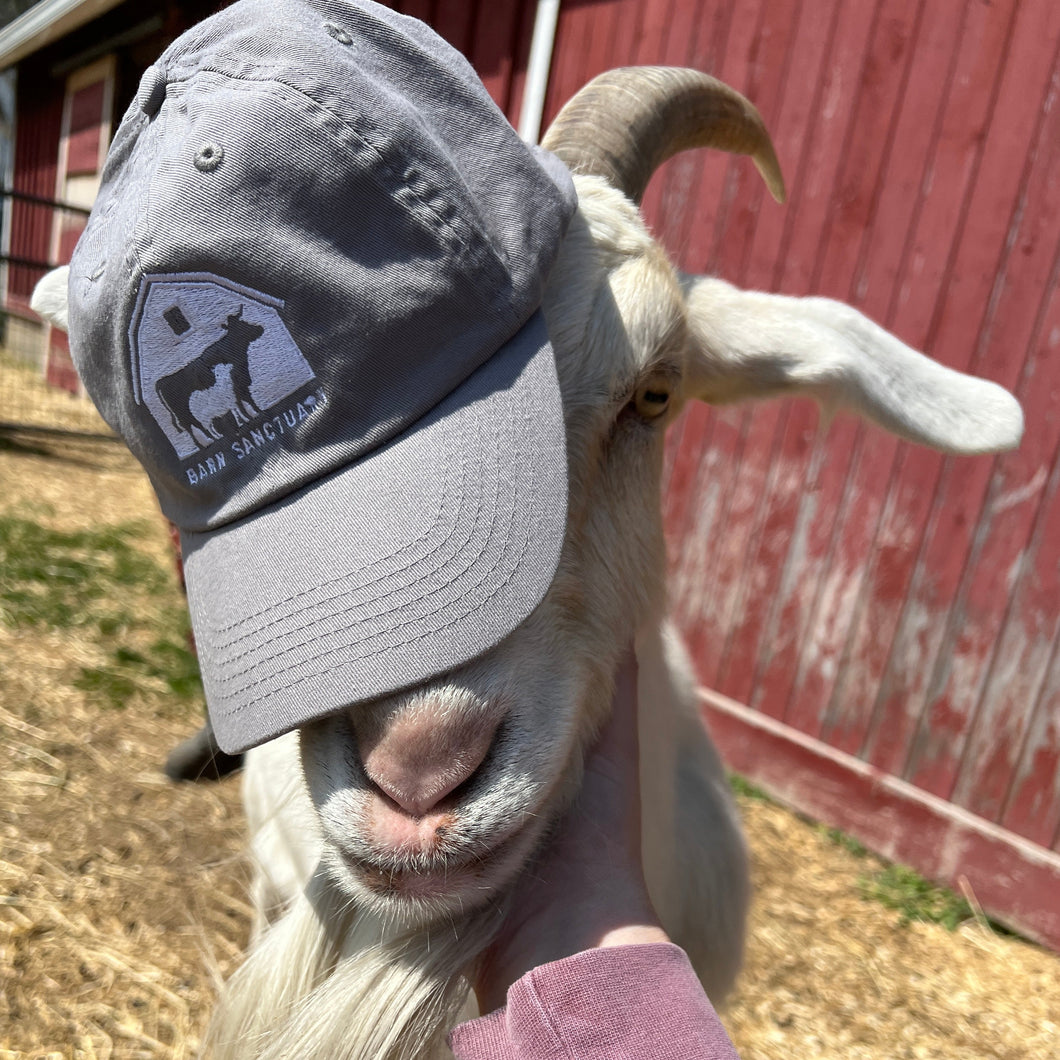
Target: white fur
[
  {"x": 827, "y": 349},
  {"x": 346, "y": 965},
  {"x": 49, "y": 299}
]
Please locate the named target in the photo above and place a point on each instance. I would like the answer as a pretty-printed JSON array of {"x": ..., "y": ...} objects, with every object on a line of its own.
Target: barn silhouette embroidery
[
  {"x": 210, "y": 356},
  {"x": 197, "y": 397}
]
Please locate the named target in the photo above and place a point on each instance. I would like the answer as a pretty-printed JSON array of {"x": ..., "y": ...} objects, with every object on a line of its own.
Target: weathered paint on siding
[{"x": 894, "y": 604}]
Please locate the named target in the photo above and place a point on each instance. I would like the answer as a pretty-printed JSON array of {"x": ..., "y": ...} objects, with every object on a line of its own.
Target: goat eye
[{"x": 652, "y": 400}]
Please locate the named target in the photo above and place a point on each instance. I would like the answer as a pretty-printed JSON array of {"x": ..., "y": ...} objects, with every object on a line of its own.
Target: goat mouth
[
  {"x": 465, "y": 881},
  {"x": 417, "y": 884}
]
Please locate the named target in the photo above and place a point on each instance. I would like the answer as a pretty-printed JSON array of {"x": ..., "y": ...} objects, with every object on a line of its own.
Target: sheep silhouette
[{"x": 175, "y": 390}]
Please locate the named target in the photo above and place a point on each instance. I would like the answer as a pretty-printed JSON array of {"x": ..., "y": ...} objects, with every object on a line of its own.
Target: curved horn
[{"x": 625, "y": 123}]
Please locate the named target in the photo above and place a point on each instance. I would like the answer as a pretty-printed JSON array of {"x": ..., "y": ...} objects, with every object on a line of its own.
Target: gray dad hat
[{"x": 308, "y": 299}]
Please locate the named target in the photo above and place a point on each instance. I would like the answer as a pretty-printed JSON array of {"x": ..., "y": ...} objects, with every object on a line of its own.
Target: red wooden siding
[
  {"x": 86, "y": 106},
  {"x": 899, "y": 609},
  {"x": 35, "y": 169},
  {"x": 83, "y": 138}
]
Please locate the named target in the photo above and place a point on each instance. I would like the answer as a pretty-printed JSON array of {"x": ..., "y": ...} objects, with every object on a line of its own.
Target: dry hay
[
  {"x": 125, "y": 897},
  {"x": 833, "y": 974}
]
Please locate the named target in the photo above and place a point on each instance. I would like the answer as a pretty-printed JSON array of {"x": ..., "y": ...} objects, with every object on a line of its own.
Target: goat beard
[{"x": 329, "y": 981}]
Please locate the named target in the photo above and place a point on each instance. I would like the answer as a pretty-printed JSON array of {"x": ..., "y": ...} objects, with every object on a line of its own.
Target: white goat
[{"x": 362, "y": 939}]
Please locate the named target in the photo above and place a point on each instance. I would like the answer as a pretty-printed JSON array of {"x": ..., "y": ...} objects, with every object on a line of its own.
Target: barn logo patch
[{"x": 214, "y": 364}]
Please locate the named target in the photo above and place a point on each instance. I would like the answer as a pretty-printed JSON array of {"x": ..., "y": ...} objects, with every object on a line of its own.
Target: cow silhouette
[
  {"x": 217, "y": 408},
  {"x": 175, "y": 390}
]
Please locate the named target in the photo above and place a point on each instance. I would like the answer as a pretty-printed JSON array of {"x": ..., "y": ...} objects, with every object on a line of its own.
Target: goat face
[{"x": 431, "y": 800}]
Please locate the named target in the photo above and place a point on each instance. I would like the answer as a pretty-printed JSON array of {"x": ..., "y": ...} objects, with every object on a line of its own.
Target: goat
[{"x": 361, "y": 943}]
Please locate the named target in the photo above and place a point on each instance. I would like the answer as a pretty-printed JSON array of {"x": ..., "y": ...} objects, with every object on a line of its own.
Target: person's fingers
[{"x": 586, "y": 887}]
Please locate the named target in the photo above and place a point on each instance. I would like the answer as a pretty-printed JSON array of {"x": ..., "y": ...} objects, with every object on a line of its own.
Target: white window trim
[{"x": 45, "y": 22}]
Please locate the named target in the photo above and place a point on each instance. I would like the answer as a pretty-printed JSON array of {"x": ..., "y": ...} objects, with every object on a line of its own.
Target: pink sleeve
[{"x": 619, "y": 1003}]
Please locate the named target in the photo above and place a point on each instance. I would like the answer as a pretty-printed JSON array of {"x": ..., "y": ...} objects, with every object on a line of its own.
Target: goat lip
[
  {"x": 477, "y": 873},
  {"x": 444, "y": 881}
]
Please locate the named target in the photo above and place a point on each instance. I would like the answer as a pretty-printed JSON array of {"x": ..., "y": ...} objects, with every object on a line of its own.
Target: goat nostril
[
  {"x": 416, "y": 765},
  {"x": 417, "y": 791}
]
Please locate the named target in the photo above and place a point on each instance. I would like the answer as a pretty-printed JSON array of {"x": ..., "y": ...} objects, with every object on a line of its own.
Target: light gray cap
[{"x": 308, "y": 297}]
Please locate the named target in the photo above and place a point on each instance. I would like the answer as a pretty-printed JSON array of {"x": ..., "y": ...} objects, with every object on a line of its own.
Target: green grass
[
  {"x": 99, "y": 585},
  {"x": 743, "y": 787},
  {"x": 900, "y": 888},
  {"x": 839, "y": 838},
  {"x": 61, "y": 580},
  {"x": 897, "y": 887}
]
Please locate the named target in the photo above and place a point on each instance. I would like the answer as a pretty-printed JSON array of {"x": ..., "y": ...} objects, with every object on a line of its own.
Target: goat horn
[{"x": 625, "y": 123}]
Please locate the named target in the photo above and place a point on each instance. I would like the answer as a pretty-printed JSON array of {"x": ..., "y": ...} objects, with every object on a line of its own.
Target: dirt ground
[{"x": 123, "y": 897}]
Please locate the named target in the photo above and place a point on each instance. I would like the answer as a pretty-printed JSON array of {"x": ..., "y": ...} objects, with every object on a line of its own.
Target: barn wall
[
  {"x": 35, "y": 169},
  {"x": 897, "y": 607}
]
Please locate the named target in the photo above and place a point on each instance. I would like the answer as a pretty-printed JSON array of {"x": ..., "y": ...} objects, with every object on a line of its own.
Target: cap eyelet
[
  {"x": 209, "y": 157},
  {"x": 333, "y": 29}
]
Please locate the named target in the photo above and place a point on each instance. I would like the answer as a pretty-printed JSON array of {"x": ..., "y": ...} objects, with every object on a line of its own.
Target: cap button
[{"x": 152, "y": 91}]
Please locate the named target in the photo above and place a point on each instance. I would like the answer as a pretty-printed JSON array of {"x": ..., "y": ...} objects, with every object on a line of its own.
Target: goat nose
[{"x": 419, "y": 759}]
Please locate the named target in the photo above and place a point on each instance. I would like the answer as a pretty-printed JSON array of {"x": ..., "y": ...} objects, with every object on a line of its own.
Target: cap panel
[
  {"x": 393, "y": 63},
  {"x": 386, "y": 316}
]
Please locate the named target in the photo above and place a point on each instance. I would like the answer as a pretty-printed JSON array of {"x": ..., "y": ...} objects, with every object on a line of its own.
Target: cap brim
[{"x": 399, "y": 567}]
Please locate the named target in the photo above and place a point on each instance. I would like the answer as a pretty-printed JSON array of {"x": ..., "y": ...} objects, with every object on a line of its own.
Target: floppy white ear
[
  {"x": 49, "y": 297},
  {"x": 752, "y": 345}
]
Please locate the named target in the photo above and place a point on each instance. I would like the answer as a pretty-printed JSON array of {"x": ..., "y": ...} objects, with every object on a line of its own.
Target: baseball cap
[{"x": 308, "y": 298}]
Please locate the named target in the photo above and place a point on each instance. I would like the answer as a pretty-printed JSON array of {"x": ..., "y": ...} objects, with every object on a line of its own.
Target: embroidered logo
[{"x": 210, "y": 357}]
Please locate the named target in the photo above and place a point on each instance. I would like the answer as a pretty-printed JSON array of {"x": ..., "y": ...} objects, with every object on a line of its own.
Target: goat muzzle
[{"x": 422, "y": 755}]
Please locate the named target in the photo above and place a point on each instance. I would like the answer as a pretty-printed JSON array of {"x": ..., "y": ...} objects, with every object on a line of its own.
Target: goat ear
[
  {"x": 49, "y": 298},
  {"x": 752, "y": 345}
]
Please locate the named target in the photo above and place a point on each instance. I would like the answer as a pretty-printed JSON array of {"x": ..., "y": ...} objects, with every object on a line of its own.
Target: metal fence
[{"x": 39, "y": 389}]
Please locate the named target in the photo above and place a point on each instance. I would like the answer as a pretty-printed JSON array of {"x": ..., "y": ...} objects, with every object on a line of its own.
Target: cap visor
[{"x": 406, "y": 564}]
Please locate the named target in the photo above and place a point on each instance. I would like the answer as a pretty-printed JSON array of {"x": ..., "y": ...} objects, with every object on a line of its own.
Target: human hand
[{"x": 587, "y": 887}]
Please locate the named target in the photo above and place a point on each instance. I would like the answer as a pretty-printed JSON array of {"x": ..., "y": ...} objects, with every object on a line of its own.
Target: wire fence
[{"x": 39, "y": 388}]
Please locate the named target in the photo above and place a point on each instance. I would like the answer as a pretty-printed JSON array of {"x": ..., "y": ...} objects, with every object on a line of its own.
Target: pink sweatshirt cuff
[{"x": 638, "y": 1002}]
